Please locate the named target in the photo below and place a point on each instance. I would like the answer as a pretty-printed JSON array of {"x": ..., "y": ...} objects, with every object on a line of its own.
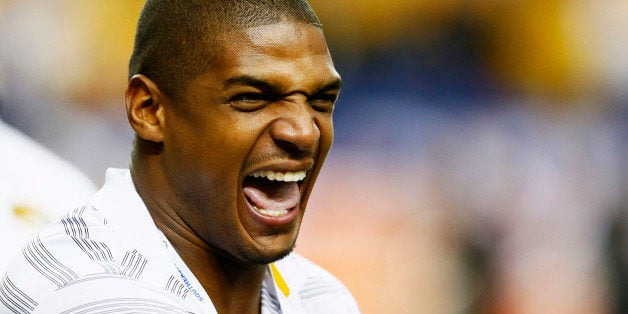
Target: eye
[
  {"x": 249, "y": 101},
  {"x": 323, "y": 102}
]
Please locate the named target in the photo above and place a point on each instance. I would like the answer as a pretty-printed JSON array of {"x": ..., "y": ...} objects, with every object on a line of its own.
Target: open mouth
[{"x": 272, "y": 193}]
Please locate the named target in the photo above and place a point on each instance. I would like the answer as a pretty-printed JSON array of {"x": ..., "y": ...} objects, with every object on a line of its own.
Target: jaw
[
  {"x": 273, "y": 236},
  {"x": 269, "y": 238}
]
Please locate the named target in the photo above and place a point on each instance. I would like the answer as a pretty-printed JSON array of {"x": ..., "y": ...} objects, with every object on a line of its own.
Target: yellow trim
[
  {"x": 281, "y": 283},
  {"x": 28, "y": 214}
]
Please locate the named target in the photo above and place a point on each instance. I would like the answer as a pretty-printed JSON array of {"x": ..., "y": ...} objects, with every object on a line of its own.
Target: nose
[{"x": 296, "y": 130}]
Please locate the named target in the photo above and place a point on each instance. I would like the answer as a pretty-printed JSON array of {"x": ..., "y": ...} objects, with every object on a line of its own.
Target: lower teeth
[{"x": 271, "y": 212}]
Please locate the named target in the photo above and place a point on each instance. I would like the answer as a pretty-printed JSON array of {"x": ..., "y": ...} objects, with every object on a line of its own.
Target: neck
[{"x": 233, "y": 287}]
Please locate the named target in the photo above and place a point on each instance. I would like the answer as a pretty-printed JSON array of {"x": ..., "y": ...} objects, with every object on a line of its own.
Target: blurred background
[{"x": 479, "y": 161}]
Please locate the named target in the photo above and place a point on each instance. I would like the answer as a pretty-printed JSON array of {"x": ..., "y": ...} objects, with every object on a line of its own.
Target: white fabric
[
  {"x": 36, "y": 188},
  {"x": 110, "y": 255}
]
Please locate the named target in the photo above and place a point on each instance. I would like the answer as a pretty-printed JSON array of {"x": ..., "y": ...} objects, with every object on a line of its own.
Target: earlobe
[{"x": 144, "y": 108}]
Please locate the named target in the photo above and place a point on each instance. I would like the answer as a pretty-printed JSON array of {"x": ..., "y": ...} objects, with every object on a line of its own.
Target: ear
[{"x": 145, "y": 108}]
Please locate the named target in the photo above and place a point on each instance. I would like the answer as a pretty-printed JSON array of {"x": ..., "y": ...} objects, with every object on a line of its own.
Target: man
[{"x": 232, "y": 103}]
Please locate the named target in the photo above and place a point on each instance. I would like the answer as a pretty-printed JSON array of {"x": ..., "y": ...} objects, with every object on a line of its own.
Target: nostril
[
  {"x": 295, "y": 134},
  {"x": 286, "y": 145}
]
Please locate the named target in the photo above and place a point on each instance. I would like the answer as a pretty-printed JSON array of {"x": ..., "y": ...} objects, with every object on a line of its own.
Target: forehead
[
  {"x": 272, "y": 39},
  {"x": 296, "y": 50}
]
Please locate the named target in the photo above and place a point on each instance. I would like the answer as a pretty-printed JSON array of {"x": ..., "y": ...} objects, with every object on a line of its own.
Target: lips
[{"x": 273, "y": 194}]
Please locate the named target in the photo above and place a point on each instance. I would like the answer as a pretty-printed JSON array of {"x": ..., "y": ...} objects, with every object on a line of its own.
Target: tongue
[{"x": 266, "y": 194}]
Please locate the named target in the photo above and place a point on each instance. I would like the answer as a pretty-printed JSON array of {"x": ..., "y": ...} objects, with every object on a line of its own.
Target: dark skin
[{"x": 266, "y": 104}]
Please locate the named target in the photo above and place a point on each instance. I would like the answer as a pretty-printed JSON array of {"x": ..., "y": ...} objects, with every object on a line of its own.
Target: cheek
[
  {"x": 207, "y": 141},
  {"x": 326, "y": 127},
  {"x": 192, "y": 155}
]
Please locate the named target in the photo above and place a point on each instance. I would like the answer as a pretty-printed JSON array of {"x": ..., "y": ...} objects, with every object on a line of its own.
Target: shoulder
[
  {"x": 318, "y": 290},
  {"x": 77, "y": 245},
  {"x": 79, "y": 242},
  {"x": 109, "y": 293}
]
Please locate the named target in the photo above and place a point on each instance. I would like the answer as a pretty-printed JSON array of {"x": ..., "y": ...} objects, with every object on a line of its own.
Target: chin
[{"x": 266, "y": 256}]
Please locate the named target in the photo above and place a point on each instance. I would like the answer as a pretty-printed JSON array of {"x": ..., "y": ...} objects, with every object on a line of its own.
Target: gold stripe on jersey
[{"x": 281, "y": 283}]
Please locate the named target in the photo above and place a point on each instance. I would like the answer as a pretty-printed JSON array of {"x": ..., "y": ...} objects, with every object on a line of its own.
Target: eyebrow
[{"x": 248, "y": 80}]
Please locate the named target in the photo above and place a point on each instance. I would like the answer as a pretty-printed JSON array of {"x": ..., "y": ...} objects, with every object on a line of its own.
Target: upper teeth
[{"x": 280, "y": 176}]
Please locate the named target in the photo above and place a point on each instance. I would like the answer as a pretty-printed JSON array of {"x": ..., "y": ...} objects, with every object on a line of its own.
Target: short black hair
[{"x": 174, "y": 38}]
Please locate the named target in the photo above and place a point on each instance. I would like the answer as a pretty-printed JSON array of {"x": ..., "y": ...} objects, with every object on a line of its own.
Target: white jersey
[
  {"x": 36, "y": 188},
  {"x": 108, "y": 256}
]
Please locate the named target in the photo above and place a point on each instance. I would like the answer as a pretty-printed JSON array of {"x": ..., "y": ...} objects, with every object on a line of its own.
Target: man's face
[{"x": 244, "y": 147}]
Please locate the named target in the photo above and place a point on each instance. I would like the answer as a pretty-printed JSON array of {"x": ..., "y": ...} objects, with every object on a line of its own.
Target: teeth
[
  {"x": 280, "y": 176},
  {"x": 271, "y": 212}
]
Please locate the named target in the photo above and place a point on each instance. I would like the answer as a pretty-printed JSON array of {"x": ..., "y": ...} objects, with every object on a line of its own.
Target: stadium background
[{"x": 479, "y": 161}]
